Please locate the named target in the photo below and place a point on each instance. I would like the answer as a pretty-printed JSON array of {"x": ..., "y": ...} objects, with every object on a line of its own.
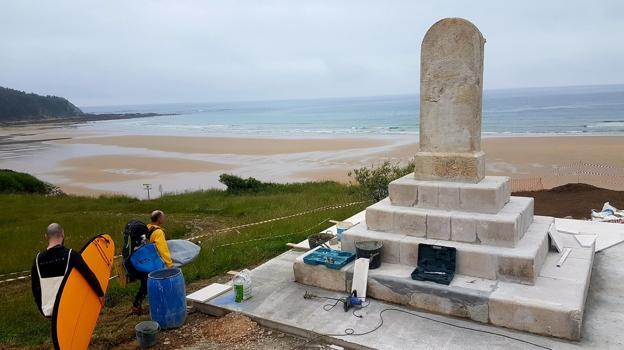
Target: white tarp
[
  {"x": 608, "y": 213},
  {"x": 182, "y": 251}
]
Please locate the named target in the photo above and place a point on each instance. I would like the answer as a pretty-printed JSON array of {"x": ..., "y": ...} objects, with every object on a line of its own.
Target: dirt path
[{"x": 115, "y": 330}]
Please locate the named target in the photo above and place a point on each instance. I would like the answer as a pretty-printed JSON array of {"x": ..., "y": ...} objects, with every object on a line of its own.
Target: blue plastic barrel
[{"x": 167, "y": 297}]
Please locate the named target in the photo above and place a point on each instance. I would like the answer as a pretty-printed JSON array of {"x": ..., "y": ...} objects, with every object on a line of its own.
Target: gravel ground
[{"x": 233, "y": 331}]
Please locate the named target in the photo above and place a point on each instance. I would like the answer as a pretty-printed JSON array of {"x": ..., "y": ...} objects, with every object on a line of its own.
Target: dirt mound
[
  {"x": 575, "y": 188},
  {"x": 233, "y": 328},
  {"x": 575, "y": 200}
]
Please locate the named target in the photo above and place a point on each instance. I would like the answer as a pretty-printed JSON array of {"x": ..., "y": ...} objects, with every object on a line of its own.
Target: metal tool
[
  {"x": 564, "y": 256},
  {"x": 351, "y": 301}
]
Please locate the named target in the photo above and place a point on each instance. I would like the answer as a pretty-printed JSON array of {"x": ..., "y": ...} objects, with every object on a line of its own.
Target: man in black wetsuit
[{"x": 52, "y": 265}]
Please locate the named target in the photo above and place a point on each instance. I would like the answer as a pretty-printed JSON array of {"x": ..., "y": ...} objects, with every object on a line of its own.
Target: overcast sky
[{"x": 135, "y": 52}]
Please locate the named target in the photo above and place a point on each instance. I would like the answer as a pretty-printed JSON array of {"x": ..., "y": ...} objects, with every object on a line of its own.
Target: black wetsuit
[{"x": 52, "y": 263}]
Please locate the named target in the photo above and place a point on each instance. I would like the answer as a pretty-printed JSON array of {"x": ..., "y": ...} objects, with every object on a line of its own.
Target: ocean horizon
[{"x": 578, "y": 110}]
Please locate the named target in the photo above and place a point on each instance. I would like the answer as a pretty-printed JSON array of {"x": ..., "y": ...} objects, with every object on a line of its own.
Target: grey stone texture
[
  {"x": 459, "y": 167},
  {"x": 503, "y": 229},
  {"x": 520, "y": 264},
  {"x": 553, "y": 305},
  {"x": 451, "y": 88},
  {"x": 488, "y": 196},
  {"x": 316, "y": 275}
]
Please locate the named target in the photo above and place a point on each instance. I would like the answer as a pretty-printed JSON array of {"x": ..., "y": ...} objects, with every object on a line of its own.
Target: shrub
[
  {"x": 374, "y": 180},
  {"x": 16, "y": 182},
  {"x": 238, "y": 184}
]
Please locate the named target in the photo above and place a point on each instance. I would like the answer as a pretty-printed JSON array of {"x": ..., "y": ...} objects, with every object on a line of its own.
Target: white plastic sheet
[{"x": 182, "y": 251}]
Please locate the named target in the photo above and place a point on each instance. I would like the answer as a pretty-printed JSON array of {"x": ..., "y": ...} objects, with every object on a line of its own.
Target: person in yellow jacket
[{"x": 157, "y": 236}]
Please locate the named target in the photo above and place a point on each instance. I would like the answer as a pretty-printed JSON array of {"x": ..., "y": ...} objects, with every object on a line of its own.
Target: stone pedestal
[{"x": 445, "y": 166}]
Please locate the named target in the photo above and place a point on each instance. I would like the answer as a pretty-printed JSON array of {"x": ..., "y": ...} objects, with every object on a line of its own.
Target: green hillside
[
  {"x": 209, "y": 213},
  {"x": 18, "y": 105}
]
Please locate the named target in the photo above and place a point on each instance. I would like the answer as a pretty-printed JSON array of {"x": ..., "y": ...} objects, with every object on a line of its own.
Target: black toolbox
[{"x": 436, "y": 263}]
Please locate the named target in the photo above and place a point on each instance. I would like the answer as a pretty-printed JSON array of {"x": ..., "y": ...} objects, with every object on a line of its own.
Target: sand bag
[{"x": 182, "y": 251}]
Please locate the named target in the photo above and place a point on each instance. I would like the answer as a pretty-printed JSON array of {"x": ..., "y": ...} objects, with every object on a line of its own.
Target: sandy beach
[
  {"x": 92, "y": 164},
  {"x": 110, "y": 168},
  {"x": 231, "y": 145}
]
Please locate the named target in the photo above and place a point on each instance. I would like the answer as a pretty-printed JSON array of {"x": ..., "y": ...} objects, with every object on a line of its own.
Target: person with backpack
[
  {"x": 52, "y": 265},
  {"x": 158, "y": 236},
  {"x": 137, "y": 234}
]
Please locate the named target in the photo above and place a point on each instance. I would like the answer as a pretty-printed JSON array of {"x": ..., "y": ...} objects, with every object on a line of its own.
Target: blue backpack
[
  {"x": 142, "y": 256},
  {"x": 147, "y": 259}
]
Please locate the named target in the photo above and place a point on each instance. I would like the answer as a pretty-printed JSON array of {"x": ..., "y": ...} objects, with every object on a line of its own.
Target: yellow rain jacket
[{"x": 158, "y": 238}]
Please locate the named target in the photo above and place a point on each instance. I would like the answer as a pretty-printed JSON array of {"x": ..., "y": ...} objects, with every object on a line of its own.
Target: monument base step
[
  {"x": 519, "y": 264},
  {"x": 504, "y": 229},
  {"x": 553, "y": 306},
  {"x": 487, "y": 196}
]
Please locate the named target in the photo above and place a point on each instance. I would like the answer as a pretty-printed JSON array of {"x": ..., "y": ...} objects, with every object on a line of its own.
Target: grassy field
[{"x": 25, "y": 216}]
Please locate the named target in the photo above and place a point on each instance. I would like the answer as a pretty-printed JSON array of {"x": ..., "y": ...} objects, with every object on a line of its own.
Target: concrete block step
[
  {"x": 553, "y": 306},
  {"x": 487, "y": 196},
  {"x": 505, "y": 228},
  {"x": 520, "y": 264}
]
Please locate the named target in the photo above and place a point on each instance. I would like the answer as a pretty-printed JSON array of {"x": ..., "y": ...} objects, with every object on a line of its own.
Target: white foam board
[
  {"x": 209, "y": 292},
  {"x": 608, "y": 234},
  {"x": 360, "y": 277},
  {"x": 585, "y": 240},
  {"x": 554, "y": 236}
]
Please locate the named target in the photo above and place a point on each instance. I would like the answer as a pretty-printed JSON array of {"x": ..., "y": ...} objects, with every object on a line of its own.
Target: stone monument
[
  {"x": 451, "y": 88},
  {"x": 506, "y": 274}
]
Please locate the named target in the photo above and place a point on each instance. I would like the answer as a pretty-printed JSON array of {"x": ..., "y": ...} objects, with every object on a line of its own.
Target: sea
[{"x": 578, "y": 110}]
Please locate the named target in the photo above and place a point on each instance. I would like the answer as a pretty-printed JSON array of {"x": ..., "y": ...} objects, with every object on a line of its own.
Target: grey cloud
[{"x": 131, "y": 52}]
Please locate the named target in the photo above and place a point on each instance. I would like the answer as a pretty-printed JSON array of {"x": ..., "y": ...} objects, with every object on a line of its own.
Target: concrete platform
[
  {"x": 278, "y": 303},
  {"x": 520, "y": 264},
  {"x": 486, "y": 196},
  {"x": 504, "y": 229},
  {"x": 552, "y": 306}
]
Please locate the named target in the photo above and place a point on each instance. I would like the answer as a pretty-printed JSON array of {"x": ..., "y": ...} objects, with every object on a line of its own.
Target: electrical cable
[{"x": 351, "y": 331}]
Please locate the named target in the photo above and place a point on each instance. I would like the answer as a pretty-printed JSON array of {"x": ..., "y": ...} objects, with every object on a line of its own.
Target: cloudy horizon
[{"x": 144, "y": 52}]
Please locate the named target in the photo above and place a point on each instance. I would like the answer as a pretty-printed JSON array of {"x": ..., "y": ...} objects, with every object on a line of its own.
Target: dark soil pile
[{"x": 575, "y": 200}]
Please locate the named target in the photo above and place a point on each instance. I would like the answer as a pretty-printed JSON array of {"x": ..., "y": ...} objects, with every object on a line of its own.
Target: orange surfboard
[{"x": 77, "y": 307}]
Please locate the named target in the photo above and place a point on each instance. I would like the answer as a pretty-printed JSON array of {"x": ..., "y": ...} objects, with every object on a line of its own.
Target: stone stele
[{"x": 451, "y": 89}]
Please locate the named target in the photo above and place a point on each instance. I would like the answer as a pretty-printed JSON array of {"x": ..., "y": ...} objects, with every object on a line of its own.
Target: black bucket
[
  {"x": 370, "y": 250},
  {"x": 147, "y": 334}
]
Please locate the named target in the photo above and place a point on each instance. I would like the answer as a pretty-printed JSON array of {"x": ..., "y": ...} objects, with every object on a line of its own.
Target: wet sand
[
  {"x": 557, "y": 160},
  {"x": 93, "y": 164},
  {"x": 230, "y": 145},
  {"x": 115, "y": 168}
]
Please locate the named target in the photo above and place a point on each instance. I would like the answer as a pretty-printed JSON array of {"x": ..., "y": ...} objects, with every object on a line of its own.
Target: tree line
[{"x": 18, "y": 105}]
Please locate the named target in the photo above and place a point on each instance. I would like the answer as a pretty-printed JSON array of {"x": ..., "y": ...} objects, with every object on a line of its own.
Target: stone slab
[
  {"x": 553, "y": 306},
  {"x": 454, "y": 167},
  {"x": 319, "y": 274},
  {"x": 487, "y": 196},
  {"x": 278, "y": 304},
  {"x": 503, "y": 229},
  {"x": 609, "y": 234},
  {"x": 519, "y": 264},
  {"x": 464, "y": 297}
]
